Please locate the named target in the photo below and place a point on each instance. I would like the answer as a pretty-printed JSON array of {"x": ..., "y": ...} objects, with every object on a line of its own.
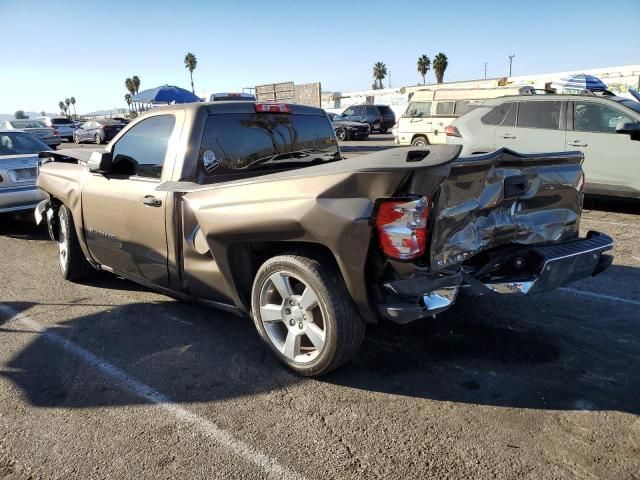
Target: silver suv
[{"x": 553, "y": 123}]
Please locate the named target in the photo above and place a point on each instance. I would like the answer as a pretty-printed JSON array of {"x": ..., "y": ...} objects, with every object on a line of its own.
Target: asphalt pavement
[{"x": 107, "y": 379}]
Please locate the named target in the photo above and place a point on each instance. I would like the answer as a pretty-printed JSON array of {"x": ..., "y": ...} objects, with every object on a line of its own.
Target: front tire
[
  {"x": 76, "y": 139},
  {"x": 303, "y": 312},
  {"x": 73, "y": 264},
  {"x": 419, "y": 141},
  {"x": 341, "y": 134}
]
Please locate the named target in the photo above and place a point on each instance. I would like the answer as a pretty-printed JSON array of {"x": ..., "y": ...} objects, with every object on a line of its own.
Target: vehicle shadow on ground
[
  {"x": 502, "y": 352},
  {"x": 364, "y": 148},
  {"x": 616, "y": 205},
  {"x": 22, "y": 226}
]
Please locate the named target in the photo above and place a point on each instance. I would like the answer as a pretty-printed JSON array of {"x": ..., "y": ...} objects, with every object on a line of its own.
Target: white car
[
  {"x": 432, "y": 109},
  {"x": 18, "y": 171},
  {"x": 36, "y": 128},
  {"x": 64, "y": 126},
  {"x": 557, "y": 123}
]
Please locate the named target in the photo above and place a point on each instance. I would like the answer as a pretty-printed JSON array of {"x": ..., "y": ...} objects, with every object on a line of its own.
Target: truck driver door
[{"x": 124, "y": 215}]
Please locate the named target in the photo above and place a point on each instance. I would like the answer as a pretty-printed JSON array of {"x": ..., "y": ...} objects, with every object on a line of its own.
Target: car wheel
[
  {"x": 98, "y": 139},
  {"x": 384, "y": 130},
  {"x": 419, "y": 141},
  {"x": 76, "y": 138},
  {"x": 371, "y": 128},
  {"x": 73, "y": 264},
  {"x": 303, "y": 312},
  {"x": 341, "y": 133}
]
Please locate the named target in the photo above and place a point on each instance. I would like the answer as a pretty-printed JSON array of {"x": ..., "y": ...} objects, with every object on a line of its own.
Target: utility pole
[
  {"x": 511, "y": 62},
  {"x": 485, "y": 70},
  {"x": 389, "y": 78}
]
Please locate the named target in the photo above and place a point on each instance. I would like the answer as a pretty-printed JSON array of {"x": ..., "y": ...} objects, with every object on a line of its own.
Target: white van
[{"x": 430, "y": 111}]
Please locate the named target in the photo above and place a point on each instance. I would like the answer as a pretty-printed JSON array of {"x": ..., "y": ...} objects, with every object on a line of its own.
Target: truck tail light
[
  {"x": 272, "y": 108},
  {"x": 452, "y": 131},
  {"x": 401, "y": 225}
]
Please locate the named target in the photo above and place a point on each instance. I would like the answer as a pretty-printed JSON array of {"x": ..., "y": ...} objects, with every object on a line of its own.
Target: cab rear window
[{"x": 242, "y": 144}]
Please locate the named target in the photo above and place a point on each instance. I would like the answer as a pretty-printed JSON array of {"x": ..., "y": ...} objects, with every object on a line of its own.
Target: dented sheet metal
[{"x": 505, "y": 198}]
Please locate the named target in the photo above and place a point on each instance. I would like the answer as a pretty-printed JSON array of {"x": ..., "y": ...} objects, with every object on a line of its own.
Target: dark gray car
[
  {"x": 98, "y": 131},
  {"x": 346, "y": 130},
  {"x": 379, "y": 117}
]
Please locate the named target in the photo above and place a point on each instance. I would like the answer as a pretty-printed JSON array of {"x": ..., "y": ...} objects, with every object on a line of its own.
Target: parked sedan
[
  {"x": 18, "y": 171},
  {"x": 63, "y": 125},
  {"x": 346, "y": 130},
  {"x": 97, "y": 131},
  {"x": 36, "y": 128}
]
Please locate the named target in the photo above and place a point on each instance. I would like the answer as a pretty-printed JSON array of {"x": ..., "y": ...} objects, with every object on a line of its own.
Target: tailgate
[{"x": 504, "y": 198}]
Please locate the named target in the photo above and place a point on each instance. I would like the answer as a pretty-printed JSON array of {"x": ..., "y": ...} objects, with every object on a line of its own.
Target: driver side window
[{"x": 142, "y": 150}]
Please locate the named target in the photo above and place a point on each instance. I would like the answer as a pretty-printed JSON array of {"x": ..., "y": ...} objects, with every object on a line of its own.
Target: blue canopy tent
[
  {"x": 580, "y": 83},
  {"x": 166, "y": 94}
]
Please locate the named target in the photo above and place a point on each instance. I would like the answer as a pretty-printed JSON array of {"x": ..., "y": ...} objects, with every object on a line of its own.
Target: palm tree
[
  {"x": 73, "y": 102},
  {"x": 131, "y": 87},
  {"x": 43, "y": 113},
  {"x": 440, "y": 63},
  {"x": 190, "y": 63},
  {"x": 136, "y": 83},
  {"x": 379, "y": 73},
  {"x": 127, "y": 98},
  {"x": 424, "y": 64},
  {"x": 67, "y": 102},
  {"x": 63, "y": 107}
]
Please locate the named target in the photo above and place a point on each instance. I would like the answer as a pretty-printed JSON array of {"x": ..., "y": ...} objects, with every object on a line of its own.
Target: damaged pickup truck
[{"x": 249, "y": 207}]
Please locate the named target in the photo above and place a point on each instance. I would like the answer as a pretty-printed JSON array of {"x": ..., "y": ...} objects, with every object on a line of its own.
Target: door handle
[
  {"x": 151, "y": 201},
  {"x": 578, "y": 143},
  {"x": 508, "y": 136}
]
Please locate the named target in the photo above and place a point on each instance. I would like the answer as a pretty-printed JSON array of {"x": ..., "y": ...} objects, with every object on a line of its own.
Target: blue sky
[{"x": 55, "y": 49}]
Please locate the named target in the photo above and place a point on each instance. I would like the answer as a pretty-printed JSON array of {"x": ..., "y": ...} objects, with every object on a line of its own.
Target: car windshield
[
  {"x": 61, "y": 121},
  {"x": 18, "y": 143},
  {"x": 27, "y": 124},
  {"x": 632, "y": 104}
]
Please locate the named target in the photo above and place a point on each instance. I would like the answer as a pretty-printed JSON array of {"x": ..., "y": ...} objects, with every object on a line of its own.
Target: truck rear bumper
[{"x": 544, "y": 268}]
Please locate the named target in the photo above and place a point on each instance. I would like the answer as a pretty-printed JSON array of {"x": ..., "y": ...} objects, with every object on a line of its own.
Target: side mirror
[
  {"x": 100, "y": 162},
  {"x": 631, "y": 129}
]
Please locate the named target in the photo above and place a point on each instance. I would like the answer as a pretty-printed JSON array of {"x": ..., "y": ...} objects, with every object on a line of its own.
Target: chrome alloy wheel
[
  {"x": 63, "y": 244},
  {"x": 292, "y": 317}
]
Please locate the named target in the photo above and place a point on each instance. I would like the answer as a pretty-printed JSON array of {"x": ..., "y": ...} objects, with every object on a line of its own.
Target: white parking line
[
  {"x": 269, "y": 465},
  {"x": 601, "y": 296}
]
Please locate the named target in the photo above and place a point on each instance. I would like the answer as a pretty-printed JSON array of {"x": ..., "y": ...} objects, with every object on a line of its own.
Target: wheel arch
[{"x": 245, "y": 258}]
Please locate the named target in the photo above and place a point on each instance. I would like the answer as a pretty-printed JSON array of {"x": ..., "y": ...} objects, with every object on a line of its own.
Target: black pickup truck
[{"x": 250, "y": 207}]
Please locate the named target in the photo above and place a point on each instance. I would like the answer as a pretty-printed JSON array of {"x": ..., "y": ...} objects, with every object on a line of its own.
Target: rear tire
[
  {"x": 98, "y": 139},
  {"x": 341, "y": 134},
  {"x": 314, "y": 314},
  {"x": 419, "y": 141},
  {"x": 73, "y": 264},
  {"x": 384, "y": 130}
]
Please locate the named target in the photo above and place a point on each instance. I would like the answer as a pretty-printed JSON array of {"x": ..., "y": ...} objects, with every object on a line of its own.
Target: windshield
[
  {"x": 109, "y": 121},
  {"x": 234, "y": 144},
  {"x": 61, "y": 121},
  {"x": 27, "y": 124},
  {"x": 632, "y": 104},
  {"x": 18, "y": 143}
]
